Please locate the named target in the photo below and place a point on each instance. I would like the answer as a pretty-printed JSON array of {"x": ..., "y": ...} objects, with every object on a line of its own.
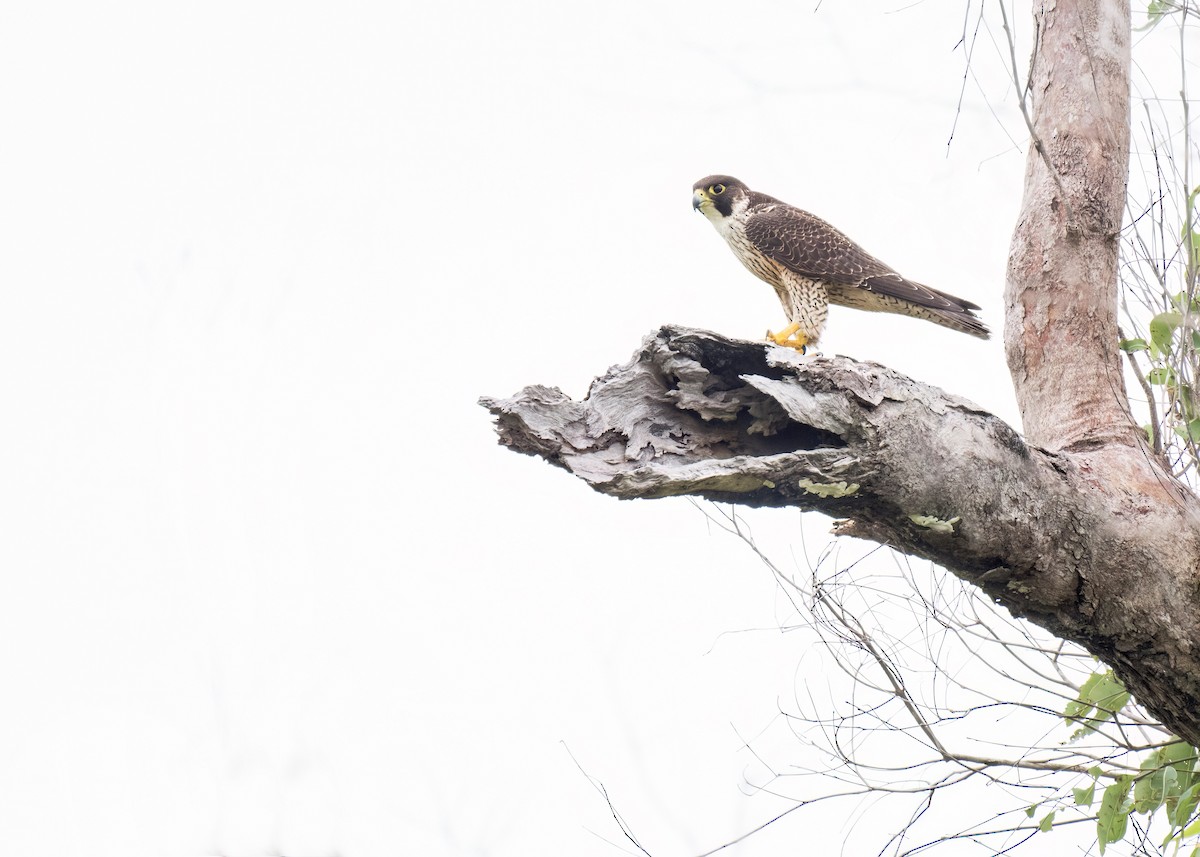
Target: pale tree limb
[{"x": 1089, "y": 554}]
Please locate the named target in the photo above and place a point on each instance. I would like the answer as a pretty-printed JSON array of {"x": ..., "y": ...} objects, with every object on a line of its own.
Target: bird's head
[{"x": 717, "y": 197}]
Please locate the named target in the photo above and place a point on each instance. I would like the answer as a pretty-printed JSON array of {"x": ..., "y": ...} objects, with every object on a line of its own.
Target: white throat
[{"x": 725, "y": 225}]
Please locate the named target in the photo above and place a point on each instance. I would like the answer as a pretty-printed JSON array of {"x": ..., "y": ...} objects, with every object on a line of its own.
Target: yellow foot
[{"x": 790, "y": 338}]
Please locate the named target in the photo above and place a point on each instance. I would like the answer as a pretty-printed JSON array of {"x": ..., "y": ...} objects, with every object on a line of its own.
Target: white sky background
[{"x": 269, "y": 584}]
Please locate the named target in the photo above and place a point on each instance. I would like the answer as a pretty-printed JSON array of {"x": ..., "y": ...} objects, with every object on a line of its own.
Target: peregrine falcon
[{"x": 811, "y": 265}]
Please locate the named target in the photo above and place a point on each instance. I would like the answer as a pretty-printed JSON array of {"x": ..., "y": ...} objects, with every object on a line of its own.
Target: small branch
[
  {"x": 1072, "y": 221},
  {"x": 1155, "y": 428},
  {"x": 622, "y": 825}
]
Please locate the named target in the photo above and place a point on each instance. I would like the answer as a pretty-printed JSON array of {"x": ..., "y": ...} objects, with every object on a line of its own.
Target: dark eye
[{"x": 717, "y": 189}]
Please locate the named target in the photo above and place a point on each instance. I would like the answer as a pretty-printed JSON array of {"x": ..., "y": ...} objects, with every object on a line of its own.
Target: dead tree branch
[{"x": 1097, "y": 546}]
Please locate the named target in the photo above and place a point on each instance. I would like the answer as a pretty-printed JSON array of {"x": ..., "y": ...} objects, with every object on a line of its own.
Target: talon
[
  {"x": 790, "y": 338},
  {"x": 785, "y": 334}
]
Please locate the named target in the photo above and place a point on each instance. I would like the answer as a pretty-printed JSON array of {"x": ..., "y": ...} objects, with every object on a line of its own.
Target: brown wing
[
  {"x": 808, "y": 245},
  {"x": 895, "y": 286}
]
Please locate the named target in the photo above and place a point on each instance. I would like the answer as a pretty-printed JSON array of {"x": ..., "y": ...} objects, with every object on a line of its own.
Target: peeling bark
[{"x": 1095, "y": 547}]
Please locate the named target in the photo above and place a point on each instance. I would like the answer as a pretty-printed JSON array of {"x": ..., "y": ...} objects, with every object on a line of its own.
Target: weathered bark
[
  {"x": 1061, "y": 297},
  {"x": 1077, "y": 527},
  {"x": 1096, "y": 547}
]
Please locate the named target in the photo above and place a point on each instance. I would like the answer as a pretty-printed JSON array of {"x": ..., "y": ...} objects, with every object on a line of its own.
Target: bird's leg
[{"x": 790, "y": 337}]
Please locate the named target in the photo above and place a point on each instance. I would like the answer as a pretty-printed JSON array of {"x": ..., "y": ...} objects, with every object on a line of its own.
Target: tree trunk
[
  {"x": 1060, "y": 328},
  {"x": 1078, "y": 527}
]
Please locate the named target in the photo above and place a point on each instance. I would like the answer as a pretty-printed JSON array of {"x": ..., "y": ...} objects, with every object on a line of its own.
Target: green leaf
[
  {"x": 1180, "y": 754},
  {"x": 1100, "y": 697},
  {"x": 1134, "y": 345},
  {"x": 1030, "y": 810},
  {"x": 1113, "y": 818},
  {"x": 1162, "y": 328},
  {"x": 1160, "y": 375},
  {"x": 1143, "y": 795},
  {"x": 1046, "y": 823},
  {"x": 1194, "y": 243},
  {"x": 1080, "y": 706},
  {"x": 1108, "y": 694},
  {"x": 1084, "y": 797},
  {"x": 1187, "y": 401},
  {"x": 1181, "y": 809},
  {"x": 1155, "y": 12},
  {"x": 1190, "y": 432},
  {"x": 1158, "y": 779}
]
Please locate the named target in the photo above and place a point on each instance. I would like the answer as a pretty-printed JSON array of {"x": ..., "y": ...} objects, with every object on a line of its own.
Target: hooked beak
[{"x": 699, "y": 198}]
